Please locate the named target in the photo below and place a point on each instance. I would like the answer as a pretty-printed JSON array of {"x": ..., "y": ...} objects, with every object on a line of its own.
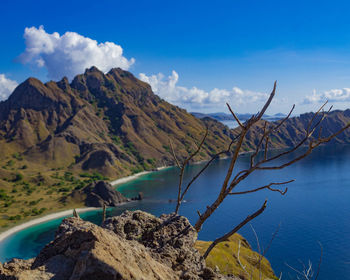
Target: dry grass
[{"x": 224, "y": 256}]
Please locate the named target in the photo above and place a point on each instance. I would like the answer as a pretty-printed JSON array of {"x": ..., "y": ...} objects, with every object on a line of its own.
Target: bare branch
[
  {"x": 174, "y": 155},
  {"x": 235, "y": 117},
  {"x": 271, "y": 240},
  {"x": 284, "y": 120},
  {"x": 266, "y": 146},
  {"x": 104, "y": 213},
  {"x": 267, "y": 104},
  {"x": 314, "y": 116},
  {"x": 198, "y": 148},
  {"x": 182, "y": 167},
  {"x": 234, "y": 230},
  {"x": 320, "y": 261},
  {"x": 75, "y": 214},
  {"x": 259, "y": 250},
  {"x": 206, "y": 166},
  {"x": 266, "y": 187},
  {"x": 257, "y": 149},
  {"x": 239, "y": 259}
]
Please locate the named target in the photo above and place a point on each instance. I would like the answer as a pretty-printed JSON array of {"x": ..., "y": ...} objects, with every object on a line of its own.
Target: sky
[{"x": 195, "y": 54}]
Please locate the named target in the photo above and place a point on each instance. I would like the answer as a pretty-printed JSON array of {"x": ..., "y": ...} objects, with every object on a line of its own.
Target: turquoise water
[{"x": 316, "y": 208}]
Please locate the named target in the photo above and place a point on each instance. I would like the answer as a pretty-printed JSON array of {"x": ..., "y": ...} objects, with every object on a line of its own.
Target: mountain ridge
[{"x": 91, "y": 115}]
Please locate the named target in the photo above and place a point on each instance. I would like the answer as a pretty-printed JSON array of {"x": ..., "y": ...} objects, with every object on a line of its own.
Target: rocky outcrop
[
  {"x": 170, "y": 239},
  {"x": 135, "y": 245},
  {"x": 102, "y": 193}
]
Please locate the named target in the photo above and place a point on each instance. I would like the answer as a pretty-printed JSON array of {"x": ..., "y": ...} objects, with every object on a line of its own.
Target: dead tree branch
[
  {"x": 103, "y": 213},
  {"x": 233, "y": 231},
  {"x": 75, "y": 214},
  {"x": 182, "y": 167},
  {"x": 266, "y": 187}
]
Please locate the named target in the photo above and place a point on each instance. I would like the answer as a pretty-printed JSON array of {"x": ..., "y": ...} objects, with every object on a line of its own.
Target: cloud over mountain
[
  {"x": 6, "y": 87},
  {"x": 333, "y": 95},
  {"x": 195, "y": 98},
  {"x": 71, "y": 53}
]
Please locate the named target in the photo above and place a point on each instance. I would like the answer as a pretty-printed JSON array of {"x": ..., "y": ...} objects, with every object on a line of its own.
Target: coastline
[
  {"x": 15, "y": 229},
  {"x": 115, "y": 183},
  {"x": 43, "y": 219},
  {"x": 132, "y": 177}
]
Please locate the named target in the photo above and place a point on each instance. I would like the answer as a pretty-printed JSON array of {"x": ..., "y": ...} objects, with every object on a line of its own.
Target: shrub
[{"x": 18, "y": 177}]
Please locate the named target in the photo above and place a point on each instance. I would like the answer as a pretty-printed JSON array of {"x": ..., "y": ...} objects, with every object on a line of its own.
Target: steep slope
[
  {"x": 236, "y": 257},
  {"x": 59, "y": 136},
  {"x": 111, "y": 123}
]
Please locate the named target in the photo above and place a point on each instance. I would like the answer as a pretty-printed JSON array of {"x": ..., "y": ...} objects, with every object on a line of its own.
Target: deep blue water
[{"x": 315, "y": 209}]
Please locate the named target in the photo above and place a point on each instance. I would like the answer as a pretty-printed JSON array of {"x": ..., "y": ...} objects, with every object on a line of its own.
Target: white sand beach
[
  {"x": 49, "y": 217},
  {"x": 132, "y": 177},
  {"x": 128, "y": 178}
]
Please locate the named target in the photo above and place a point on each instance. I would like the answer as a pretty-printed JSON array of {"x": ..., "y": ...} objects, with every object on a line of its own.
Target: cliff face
[
  {"x": 135, "y": 245},
  {"x": 111, "y": 123}
]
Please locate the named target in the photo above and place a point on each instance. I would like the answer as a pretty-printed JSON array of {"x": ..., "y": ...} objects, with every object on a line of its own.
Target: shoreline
[
  {"x": 36, "y": 221},
  {"x": 43, "y": 219},
  {"x": 135, "y": 176},
  {"x": 115, "y": 183}
]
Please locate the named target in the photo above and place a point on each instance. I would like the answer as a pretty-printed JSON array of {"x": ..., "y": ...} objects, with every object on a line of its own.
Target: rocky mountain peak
[{"x": 111, "y": 123}]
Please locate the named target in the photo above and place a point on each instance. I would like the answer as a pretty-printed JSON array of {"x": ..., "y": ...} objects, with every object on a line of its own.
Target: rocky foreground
[{"x": 135, "y": 245}]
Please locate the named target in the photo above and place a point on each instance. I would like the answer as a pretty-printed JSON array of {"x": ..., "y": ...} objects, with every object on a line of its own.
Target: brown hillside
[{"x": 112, "y": 123}]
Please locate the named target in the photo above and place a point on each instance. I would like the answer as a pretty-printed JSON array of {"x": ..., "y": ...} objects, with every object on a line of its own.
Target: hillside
[
  {"x": 236, "y": 257},
  {"x": 59, "y": 136},
  {"x": 111, "y": 123},
  {"x": 293, "y": 130}
]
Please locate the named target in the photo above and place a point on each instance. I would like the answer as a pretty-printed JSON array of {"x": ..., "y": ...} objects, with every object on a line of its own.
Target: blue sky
[{"x": 220, "y": 50}]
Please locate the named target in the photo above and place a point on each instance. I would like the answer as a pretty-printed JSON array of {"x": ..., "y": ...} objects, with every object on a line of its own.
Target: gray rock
[
  {"x": 102, "y": 193},
  {"x": 133, "y": 246},
  {"x": 170, "y": 238}
]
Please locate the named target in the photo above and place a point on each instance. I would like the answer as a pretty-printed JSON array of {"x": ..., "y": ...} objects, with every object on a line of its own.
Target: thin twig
[
  {"x": 266, "y": 187},
  {"x": 235, "y": 117}
]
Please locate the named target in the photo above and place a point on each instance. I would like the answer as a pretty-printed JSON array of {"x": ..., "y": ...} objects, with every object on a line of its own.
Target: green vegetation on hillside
[
  {"x": 243, "y": 263},
  {"x": 59, "y": 136}
]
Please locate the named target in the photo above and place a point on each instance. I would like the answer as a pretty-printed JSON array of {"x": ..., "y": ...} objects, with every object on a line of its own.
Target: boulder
[
  {"x": 170, "y": 238},
  {"x": 102, "y": 193}
]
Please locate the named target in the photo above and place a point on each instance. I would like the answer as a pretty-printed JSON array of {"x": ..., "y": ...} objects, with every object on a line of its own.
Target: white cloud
[
  {"x": 195, "y": 98},
  {"x": 333, "y": 95},
  {"x": 6, "y": 87},
  {"x": 71, "y": 53}
]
